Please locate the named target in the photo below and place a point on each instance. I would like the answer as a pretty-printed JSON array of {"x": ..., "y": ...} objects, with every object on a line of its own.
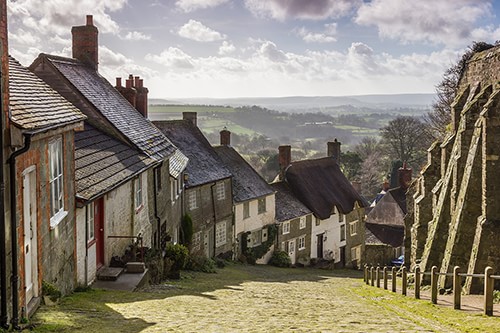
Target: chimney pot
[
  {"x": 136, "y": 81},
  {"x": 225, "y": 137},
  {"x": 191, "y": 116},
  {"x": 404, "y": 176},
  {"x": 118, "y": 82},
  {"x": 90, "y": 20}
]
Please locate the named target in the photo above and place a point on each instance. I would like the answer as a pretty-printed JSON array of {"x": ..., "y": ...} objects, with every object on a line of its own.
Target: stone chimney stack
[
  {"x": 85, "y": 45},
  {"x": 334, "y": 150},
  {"x": 404, "y": 176},
  {"x": 225, "y": 137},
  {"x": 284, "y": 159},
  {"x": 191, "y": 116}
]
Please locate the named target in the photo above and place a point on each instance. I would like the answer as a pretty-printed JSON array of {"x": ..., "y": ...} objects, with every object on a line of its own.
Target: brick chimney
[
  {"x": 85, "y": 43},
  {"x": 191, "y": 116},
  {"x": 141, "y": 103},
  {"x": 404, "y": 176},
  {"x": 128, "y": 91},
  {"x": 284, "y": 159},
  {"x": 225, "y": 137},
  {"x": 333, "y": 150}
]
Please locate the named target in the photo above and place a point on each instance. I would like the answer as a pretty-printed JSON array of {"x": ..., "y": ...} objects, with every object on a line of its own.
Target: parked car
[{"x": 399, "y": 261}]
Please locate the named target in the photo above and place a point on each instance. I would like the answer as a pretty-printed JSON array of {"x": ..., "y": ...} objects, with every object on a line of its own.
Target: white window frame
[
  {"x": 220, "y": 190},
  {"x": 246, "y": 210},
  {"x": 90, "y": 222},
  {"x": 302, "y": 223},
  {"x": 353, "y": 228},
  {"x": 301, "y": 242},
  {"x": 138, "y": 193},
  {"x": 356, "y": 253},
  {"x": 56, "y": 182},
  {"x": 286, "y": 228},
  {"x": 192, "y": 200},
  {"x": 220, "y": 234},
  {"x": 261, "y": 206}
]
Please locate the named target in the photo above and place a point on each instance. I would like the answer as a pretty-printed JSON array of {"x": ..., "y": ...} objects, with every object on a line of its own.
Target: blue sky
[{"x": 245, "y": 48}]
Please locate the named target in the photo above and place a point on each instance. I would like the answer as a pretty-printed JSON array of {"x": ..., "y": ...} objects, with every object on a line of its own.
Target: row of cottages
[
  {"x": 88, "y": 171},
  {"x": 335, "y": 229},
  {"x": 385, "y": 226}
]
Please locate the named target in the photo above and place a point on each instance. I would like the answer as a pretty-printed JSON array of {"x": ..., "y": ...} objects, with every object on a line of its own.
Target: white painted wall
[
  {"x": 331, "y": 229},
  {"x": 85, "y": 257},
  {"x": 255, "y": 221}
]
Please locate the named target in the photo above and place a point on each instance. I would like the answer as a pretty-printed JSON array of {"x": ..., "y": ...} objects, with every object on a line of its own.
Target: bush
[
  {"x": 280, "y": 259},
  {"x": 48, "y": 289},
  {"x": 186, "y": 230},
  {"x": 199, "y": 263},
  {"x": 177, "y": 253}
]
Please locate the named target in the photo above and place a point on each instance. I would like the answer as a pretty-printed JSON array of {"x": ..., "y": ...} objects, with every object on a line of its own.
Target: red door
[{"x": 99, "y": 231}]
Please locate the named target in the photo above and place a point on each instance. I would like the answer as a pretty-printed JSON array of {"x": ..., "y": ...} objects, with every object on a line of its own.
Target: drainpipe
[
  {"x": 3, "y": 257},
  {"x": 155, "y": 201},
  {"x": 13, "y": 228},
  {"x": 215, "y": 217}
]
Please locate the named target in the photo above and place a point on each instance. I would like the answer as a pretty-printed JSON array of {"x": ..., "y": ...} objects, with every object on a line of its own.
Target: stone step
[
  {"x": 135, "y": 267},
  {"x": 109, "y": 273}
]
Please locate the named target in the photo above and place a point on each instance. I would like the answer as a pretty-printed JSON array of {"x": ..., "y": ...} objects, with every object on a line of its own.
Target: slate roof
[
  {"x": 114, "y": 107},
  {"x": 103, "y": 163},
  {"x": 34, "y": 104},
  {"x": 287, "y": 205},
  {"x": 320, "y": 185},
  {"x": 204, "y": 164},
  {"x": 377, "y": 234},
  {"x": 247, "y": 183}
]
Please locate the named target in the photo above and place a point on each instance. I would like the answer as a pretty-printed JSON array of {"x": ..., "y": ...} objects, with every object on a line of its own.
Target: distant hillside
[{"x": 298, "y": 103}]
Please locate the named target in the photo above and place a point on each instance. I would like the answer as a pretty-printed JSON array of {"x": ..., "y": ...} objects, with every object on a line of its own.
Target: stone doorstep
[
  {"x": 135, "y": 267},
  {"x": 109, "y": 273}
]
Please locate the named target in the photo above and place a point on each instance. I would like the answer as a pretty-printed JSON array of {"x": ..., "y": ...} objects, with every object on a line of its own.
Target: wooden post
[
  {"x": 417, "y": 282},
  {"x": 393, "y": 278},
  {"x": 365, "y": 274},
  {"x": 404, "y": 281},
  {"x": 488, "y": 291},
  {"x": 377, "y": 276},
  {"x": 372, "y": 276},
  {"x": 385, "y": 277},
  {"x": 434, "y": 285},
  {"x": 457, "y": 288}
]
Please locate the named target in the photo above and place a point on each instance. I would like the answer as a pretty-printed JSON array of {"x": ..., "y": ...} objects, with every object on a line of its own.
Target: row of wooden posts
[{"x": 373, "y": 275}]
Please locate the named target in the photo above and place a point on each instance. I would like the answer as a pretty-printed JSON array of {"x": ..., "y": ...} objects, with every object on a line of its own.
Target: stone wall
[{"x": 456, "y": 220}]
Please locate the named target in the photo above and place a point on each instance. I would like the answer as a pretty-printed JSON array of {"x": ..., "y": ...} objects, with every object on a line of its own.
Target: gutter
[
  {"x": 13, "y": 228},
  {"x": 3, "y": 256}
]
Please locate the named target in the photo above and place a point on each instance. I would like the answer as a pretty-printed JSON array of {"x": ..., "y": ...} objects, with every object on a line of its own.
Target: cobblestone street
[{"x": 260, "y": 299}]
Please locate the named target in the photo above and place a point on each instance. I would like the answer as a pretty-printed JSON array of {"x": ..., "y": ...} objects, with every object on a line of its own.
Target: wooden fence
[{"x": 373, "y": 275}]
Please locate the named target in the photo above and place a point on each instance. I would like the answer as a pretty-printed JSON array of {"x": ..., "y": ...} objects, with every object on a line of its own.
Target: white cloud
[
  {"x": 435, "y": 21},
  {"x": 24, "y": 38},
  {"x": 195, "y": 30},
  {"x": 55, "y": 16},
  {"x": 173, "y": 58},
  {"x": 327, "y": 36},
  {"x": 136, "y": 35},
  {"x": 226, "y": 48},
  {"x": 192, "y": 5},
  {"x": 113, "y": 64},
  {"x": 312, "y": 10}
]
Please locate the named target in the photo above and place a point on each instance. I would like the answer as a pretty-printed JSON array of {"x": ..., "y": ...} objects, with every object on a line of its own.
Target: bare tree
[
  {"x": 439, "y": 117},
  {"x": 406, "y": 139}
]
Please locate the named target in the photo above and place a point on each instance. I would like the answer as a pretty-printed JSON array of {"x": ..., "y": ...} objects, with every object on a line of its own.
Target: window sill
[{"x": 56, "y": 219}]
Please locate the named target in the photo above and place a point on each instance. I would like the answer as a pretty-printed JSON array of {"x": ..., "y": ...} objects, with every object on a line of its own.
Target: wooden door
[
  {"x": 30, "y": 234},
  {"x": 319, "y": 246},
  {"x": 99, "y": 231}
]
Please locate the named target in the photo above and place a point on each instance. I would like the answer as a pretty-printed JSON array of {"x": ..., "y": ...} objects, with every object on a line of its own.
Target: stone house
[
  {"x": 455, "y": 211},
  {"x": 254, "y": 204},
  {"x": 42, "y": 129},
  {"x": 323, "y": 188},
  {"x": 385, "y": 226},
  {"x": 141, "y": 207},
  {"x": 208, "y": 198},
  {"x": 294, "y": 221}
]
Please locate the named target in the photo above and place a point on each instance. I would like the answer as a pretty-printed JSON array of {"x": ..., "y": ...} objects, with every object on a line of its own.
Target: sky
[{"x": 263, "y": 48}]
